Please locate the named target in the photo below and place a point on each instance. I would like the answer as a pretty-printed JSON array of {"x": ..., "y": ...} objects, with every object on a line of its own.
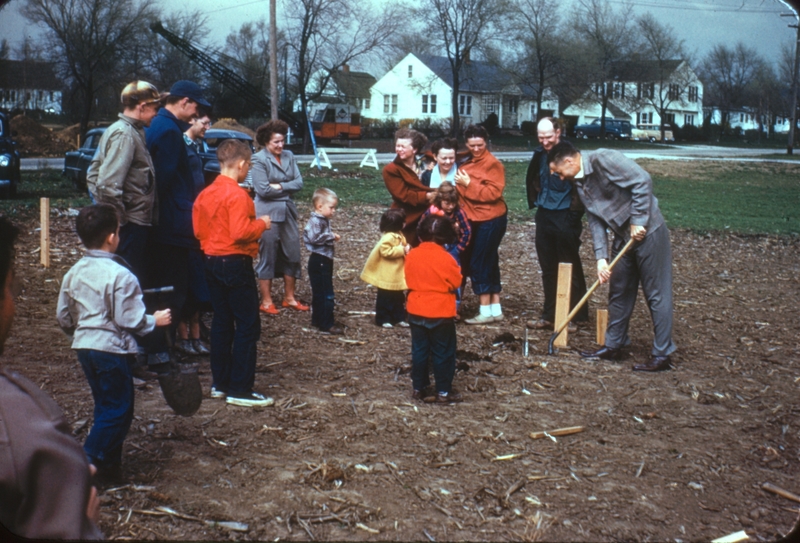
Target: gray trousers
[{"x": 648, "y": 262}]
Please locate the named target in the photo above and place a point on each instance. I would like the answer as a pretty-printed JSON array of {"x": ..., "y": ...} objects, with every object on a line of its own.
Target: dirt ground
[{"x": 345, "y": 454}]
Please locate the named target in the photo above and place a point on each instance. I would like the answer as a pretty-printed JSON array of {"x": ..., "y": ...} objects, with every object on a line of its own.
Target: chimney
[{"x": 345, "y": 68}]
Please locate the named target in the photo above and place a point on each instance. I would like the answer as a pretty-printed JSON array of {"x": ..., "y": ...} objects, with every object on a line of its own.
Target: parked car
[
  {"x": 208, "y": 151},
  {"x": 615, "y": 129},
  {"x": 76, "y": 163},
  {"x": 651, "y": 133},
  {"x": 9, "y": 160}
]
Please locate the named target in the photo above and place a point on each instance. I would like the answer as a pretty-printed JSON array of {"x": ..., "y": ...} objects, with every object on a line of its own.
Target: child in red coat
[{"x": 433, "y": 277}]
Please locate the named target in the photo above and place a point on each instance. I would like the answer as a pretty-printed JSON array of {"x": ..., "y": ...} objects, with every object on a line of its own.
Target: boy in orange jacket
[
  {"x": 433, "y": 277},
  {"x": 224, "y": 220}
]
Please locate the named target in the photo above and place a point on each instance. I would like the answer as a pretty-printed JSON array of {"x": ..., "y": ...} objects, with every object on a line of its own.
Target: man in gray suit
[{"x": 618, "y": 195}]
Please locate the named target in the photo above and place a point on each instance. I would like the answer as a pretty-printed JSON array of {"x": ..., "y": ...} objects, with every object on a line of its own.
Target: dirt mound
[
  {"x": 69, "y": 135},
  {"x": 33, "y": 139},
  {"x": 233, "y": 124}
]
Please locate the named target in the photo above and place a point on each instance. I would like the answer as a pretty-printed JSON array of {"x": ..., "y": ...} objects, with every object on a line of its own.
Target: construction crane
[{"x": 227, "y": 77}]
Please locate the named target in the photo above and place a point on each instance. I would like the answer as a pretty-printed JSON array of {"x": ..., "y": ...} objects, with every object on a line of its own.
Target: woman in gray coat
[{"x": 276, "y": 178}]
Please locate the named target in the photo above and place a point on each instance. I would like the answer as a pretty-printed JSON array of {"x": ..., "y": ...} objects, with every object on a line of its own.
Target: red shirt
[
  {"x": 432, "y": 275},
  {"x": 224, "y": 220}
]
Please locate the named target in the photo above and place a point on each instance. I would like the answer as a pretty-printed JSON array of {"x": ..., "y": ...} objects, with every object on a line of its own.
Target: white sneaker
[
  {"x": 402, "y": 324},
  {"x": 480, "y": 319},
  {"x": 498, "y": 318},
  {"x": 254, "y": 399},
  {"x": 216, "y": 393},
  {"x": 387, "y": 325}
]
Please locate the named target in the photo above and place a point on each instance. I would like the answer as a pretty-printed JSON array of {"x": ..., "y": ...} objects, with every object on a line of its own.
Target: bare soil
[{"x": 345, "y": 454}]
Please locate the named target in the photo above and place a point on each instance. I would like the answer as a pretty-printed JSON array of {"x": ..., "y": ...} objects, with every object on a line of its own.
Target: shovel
[{"x": 560, "y": 327}]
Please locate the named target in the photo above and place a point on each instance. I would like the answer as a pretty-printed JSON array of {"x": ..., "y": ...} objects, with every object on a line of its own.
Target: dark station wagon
[{"x": 9, "y": 160}]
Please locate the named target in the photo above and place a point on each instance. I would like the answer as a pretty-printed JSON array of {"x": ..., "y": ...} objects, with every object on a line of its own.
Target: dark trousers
[
  {"x": 320, "y": 275},
  {"x": 133, "y": 248},
  {"x": 236, "y": 325},
  {"x": 168, "y": 266},
  {"x": 110, "y": 379},
  {"x": 390, "y": 306},
  {"x": 433, "y": 340},
  {"x": 482, "y": 255},
  {"x": 558, "y": 239},
  {"x": 649, "y": 263}
]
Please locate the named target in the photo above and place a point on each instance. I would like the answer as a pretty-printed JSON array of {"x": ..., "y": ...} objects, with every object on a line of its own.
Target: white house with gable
[{"x": 421, "y": 88}]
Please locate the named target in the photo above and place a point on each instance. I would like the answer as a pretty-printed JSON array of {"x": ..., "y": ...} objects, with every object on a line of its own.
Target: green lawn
[{"x": 746, "y": 198}]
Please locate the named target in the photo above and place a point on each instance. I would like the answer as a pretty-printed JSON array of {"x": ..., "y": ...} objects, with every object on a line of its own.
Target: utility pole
[
  {"x": 273, "y": 60},
  {"x": 793, "y": 126}
]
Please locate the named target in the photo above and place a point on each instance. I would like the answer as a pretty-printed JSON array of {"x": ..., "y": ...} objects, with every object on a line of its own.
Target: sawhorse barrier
[{"x": 322, "y": 159}]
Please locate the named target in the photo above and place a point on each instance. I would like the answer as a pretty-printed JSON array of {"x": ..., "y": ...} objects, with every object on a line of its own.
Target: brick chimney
[
  {"x": 345, "y": 68},
  {"x": 466, "y": 57}
]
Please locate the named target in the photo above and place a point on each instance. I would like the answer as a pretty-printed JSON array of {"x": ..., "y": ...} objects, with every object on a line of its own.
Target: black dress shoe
[
  {"x": 657, "y": 363},
  {"x": 605, "y": 353}
]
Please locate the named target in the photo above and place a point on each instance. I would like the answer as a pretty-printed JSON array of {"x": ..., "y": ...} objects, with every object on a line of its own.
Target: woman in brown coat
[{"x": 402, "y": 180}]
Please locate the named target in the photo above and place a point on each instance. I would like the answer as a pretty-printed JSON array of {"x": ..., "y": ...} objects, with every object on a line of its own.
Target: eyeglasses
[{"x": 207, "y": 124}]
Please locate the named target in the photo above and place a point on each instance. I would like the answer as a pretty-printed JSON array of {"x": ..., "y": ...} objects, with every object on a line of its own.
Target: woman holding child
[
  {"x": 276, "y": 178},
  {"x": 402, "y": 180},
  {"x": 480, "y": 182}
]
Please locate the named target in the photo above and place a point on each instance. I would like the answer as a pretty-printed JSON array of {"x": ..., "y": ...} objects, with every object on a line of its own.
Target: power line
[
  {"x": 697, "y": 6},
  {"x": 235, "y": 7}
]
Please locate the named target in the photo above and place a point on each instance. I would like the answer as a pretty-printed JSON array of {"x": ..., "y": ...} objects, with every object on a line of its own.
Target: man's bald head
[{"x": 549, "y": 133}]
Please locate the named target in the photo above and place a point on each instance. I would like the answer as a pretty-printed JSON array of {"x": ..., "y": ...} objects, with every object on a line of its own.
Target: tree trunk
[{"x": 455, "y": 126}]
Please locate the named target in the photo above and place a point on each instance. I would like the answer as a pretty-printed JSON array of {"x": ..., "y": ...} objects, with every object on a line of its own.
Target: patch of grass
[
  {"x": 43, "y": 184},
  {"x": 746, "y": 198}
]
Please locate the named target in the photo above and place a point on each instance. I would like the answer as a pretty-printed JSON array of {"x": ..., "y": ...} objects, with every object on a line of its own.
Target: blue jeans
[
  {"x": 434, "y": 340},
  {"x": 236, "y": 325},
  {"x": 109, "y": 377},
  {"x": 483, "y": 257},
  {"x": 320, "y": 275}
]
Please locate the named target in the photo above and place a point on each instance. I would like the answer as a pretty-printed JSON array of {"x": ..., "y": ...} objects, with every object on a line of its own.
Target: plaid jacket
[{"x": 617, "y": 192}]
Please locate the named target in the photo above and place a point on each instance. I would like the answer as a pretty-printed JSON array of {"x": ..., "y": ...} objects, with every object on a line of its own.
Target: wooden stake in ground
[
  {"x": 558, "y": 432},
  {"x": 562, "y": 300},
  {"x": 44, "y": 215},
  {"x": 602, "y": 324}
]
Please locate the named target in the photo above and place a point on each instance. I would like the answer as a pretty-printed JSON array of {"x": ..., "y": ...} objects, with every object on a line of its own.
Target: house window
[
  {"x": 645, "y": 118},
  {"x": 674, "y": 92},
  {"x": 618, "y": 90},
  {"x": 365, "y": 103},
  {"x": 390, "y": 103},
  {"x": 465, "y": 105},
  {"x": 513, "y": 104},
  {"x": 669, "y": 118},
  {"x": 429, "y": 103},
  {"x": 741, "y": 117},
  {"x": 693, "y": 94},
  {"x": 645, "y": 90},
  {"x": 490, "y": 104},
  {"x": 410, "y": 70},
  {"x": 688, "y": 120}
]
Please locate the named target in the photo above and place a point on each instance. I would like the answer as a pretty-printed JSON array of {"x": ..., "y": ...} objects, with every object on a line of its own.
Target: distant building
[
  {"x": 29, "y": 85},
  {"x": 746, "y": 118},
  {"x": 422, "y": 88},
  {"x": 639, "y": 90},
  {"x": 343, "y": 87}
]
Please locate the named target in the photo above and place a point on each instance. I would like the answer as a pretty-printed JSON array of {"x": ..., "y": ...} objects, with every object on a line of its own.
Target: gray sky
[{"x": 701, "y": 23}]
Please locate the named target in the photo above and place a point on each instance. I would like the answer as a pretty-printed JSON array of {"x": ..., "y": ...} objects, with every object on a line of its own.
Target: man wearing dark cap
[{"x": 173, "y": 236}]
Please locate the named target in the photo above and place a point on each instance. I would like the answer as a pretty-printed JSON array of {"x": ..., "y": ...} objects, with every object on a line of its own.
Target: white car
[{"x": 651, "y": 133}]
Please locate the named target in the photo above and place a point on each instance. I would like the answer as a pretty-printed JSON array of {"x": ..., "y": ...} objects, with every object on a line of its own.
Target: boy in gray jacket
[{"x": 100, "y": 305}]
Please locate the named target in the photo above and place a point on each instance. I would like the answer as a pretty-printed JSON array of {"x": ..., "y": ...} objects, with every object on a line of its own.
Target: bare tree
[
  {"x": 605, "y": 39},
  {"x": 248, "y": 49},
  {"x": 539, "y": 59},
  {"x": 460, "y": 27},
  {"x": 728, "y": 74},
  {"x": 164, "y": 63},
  {"x": 666, "y": 78},
  {"x": 88, "y": 39},
  {"x": 324, "y": 35}
]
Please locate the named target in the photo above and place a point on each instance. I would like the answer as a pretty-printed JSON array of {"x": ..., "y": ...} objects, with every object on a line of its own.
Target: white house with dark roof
[
  {"x": 639, "y": 90},
  {"x": 422, "y": 88},
  {"x": 344, "y": 87},
  {"x": 29, "y": 85}
]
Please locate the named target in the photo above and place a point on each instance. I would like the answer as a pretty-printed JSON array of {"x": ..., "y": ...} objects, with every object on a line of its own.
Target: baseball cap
[
  {"x": 191, "y": 90},
  {"x": 139, "y": 92}
]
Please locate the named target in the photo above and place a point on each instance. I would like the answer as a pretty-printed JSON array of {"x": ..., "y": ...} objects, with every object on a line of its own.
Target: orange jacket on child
[
  {"x": 432, "y": 276},
  {"x": 224, "y": 220}
]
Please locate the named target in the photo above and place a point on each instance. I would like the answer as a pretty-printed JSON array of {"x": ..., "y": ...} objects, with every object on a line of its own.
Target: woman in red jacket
[
  {"x": 480, "y": 182},
  {"x": 433, "y": 276},
  {"x": 402, "y": 180}
]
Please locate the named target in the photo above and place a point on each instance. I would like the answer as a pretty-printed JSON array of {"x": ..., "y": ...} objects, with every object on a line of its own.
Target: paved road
[{"x": 658, "y": 152}]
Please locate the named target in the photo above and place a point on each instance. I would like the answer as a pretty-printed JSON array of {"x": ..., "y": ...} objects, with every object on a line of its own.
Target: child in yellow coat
[{"x": 384, "y": 270}]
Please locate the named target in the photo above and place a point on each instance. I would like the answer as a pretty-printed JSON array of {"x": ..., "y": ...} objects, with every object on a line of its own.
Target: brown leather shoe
[
  {"x": 604, "y": 353},
  {"x": 453, "y": 397},
  {"x": 656, "y": 363},
  {"x": 541, "y": 324}
]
